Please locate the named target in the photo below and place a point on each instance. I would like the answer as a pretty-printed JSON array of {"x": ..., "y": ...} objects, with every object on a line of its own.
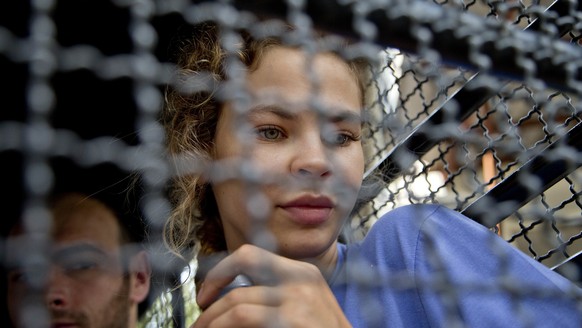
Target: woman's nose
[{"x": 311, "y": 159}]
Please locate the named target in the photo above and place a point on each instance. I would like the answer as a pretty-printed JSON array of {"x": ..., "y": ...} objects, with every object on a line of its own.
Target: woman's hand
[{"x": 285, "y": 293}]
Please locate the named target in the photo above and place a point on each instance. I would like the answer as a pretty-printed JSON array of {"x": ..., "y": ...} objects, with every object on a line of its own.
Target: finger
[
  {"x": 239, "y": 281},
  {"x": 213, "y": 287},
  {"x": 257, "y": 295},
  {"x": 249, "y": 316},
  {"x": 261, "y": 266},
  {"x": 243, "y": 307}
]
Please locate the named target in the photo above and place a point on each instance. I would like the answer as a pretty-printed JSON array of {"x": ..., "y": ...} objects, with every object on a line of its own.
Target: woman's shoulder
[
  {"x": 394, "y": 238},
  {"x": 463, "y": 246},
  {"x": 414, "y": 218},
  {"x": 408, "y": 236}
]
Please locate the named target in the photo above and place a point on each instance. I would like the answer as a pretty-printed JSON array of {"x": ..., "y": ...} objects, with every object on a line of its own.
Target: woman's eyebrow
[
  {"x": 335, "y": 116},
  {"x": 345, "y": 116},
  {"x": 277, "y": 110}
]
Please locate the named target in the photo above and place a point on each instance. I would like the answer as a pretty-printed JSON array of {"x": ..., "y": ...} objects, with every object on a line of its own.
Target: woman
[{"x": 281, "y": 137}]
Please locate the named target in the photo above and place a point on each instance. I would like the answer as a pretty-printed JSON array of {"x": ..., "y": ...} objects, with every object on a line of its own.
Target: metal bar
[
  {"x": 503, "y": 50},
  {"x": 510, "y": 194},
  {"x": 178, "y": 309},
  {"x": 570, "y": 265},
  {"x": 558, "y": 16},
  {"x": 421, "y": 140}
]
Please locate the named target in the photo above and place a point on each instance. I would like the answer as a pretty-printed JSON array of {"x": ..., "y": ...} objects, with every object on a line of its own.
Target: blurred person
[
  {"x": 272, "y": 172},
  {"x": 97, "y": 273}
]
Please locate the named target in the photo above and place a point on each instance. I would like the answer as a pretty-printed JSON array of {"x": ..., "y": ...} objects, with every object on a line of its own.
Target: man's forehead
[{"x": 75, "y": 217}]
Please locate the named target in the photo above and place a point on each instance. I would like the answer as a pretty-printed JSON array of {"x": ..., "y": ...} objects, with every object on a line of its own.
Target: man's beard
[{"x": 114, "y": 315}]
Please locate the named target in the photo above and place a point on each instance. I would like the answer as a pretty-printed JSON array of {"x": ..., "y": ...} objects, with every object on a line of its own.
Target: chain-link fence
[{"x": 476, "y": 107}]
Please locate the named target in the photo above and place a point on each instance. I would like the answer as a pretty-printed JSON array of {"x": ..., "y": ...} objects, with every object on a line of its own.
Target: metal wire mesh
[{"x": 476, "y": 107}]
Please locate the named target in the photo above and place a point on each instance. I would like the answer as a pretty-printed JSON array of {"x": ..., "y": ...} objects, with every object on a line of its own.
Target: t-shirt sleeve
[{"x": 466, "y": 274}]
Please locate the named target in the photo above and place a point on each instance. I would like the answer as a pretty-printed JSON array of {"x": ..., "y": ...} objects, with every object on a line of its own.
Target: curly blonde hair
[{"x": 190, "y": 118}]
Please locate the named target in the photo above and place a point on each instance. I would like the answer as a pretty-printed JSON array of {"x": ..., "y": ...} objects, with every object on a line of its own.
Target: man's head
[
  {"x": 76, "y": 253},
  {"x": 94, "y": 278}
]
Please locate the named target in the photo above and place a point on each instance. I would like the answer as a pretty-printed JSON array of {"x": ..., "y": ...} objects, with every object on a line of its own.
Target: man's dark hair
[{"x": 120, "y": 191}]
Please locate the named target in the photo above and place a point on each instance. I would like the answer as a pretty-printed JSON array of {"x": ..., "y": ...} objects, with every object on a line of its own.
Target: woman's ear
[{"x": 140, "y": 277}]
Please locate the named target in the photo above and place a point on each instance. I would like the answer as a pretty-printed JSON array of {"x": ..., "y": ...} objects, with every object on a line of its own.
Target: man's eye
[
  {"x": 24, "y": 276},
  {"x": 269, "y": 133},
  {"x": 79, "y": 266},
  {"x": 17, "y": 276}
]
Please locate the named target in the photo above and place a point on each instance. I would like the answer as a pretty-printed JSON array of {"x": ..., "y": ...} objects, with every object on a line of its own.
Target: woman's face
[{"x": 301, "y": 132}]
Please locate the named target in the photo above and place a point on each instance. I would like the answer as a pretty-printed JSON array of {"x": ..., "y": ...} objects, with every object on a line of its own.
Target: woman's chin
[{"x": 305, "y": 250}]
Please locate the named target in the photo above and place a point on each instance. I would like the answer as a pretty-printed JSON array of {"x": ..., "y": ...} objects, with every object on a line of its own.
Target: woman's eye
[
  {"x": 269, "y": 133},
  {"x": 339, "y": 139}
]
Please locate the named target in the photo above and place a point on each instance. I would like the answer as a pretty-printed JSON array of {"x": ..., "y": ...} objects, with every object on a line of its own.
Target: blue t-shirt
[{"x": 429, "y": 266}]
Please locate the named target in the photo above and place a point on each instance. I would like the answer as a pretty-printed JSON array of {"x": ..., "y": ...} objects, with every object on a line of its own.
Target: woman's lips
[{"x": 309, "y": 210}]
